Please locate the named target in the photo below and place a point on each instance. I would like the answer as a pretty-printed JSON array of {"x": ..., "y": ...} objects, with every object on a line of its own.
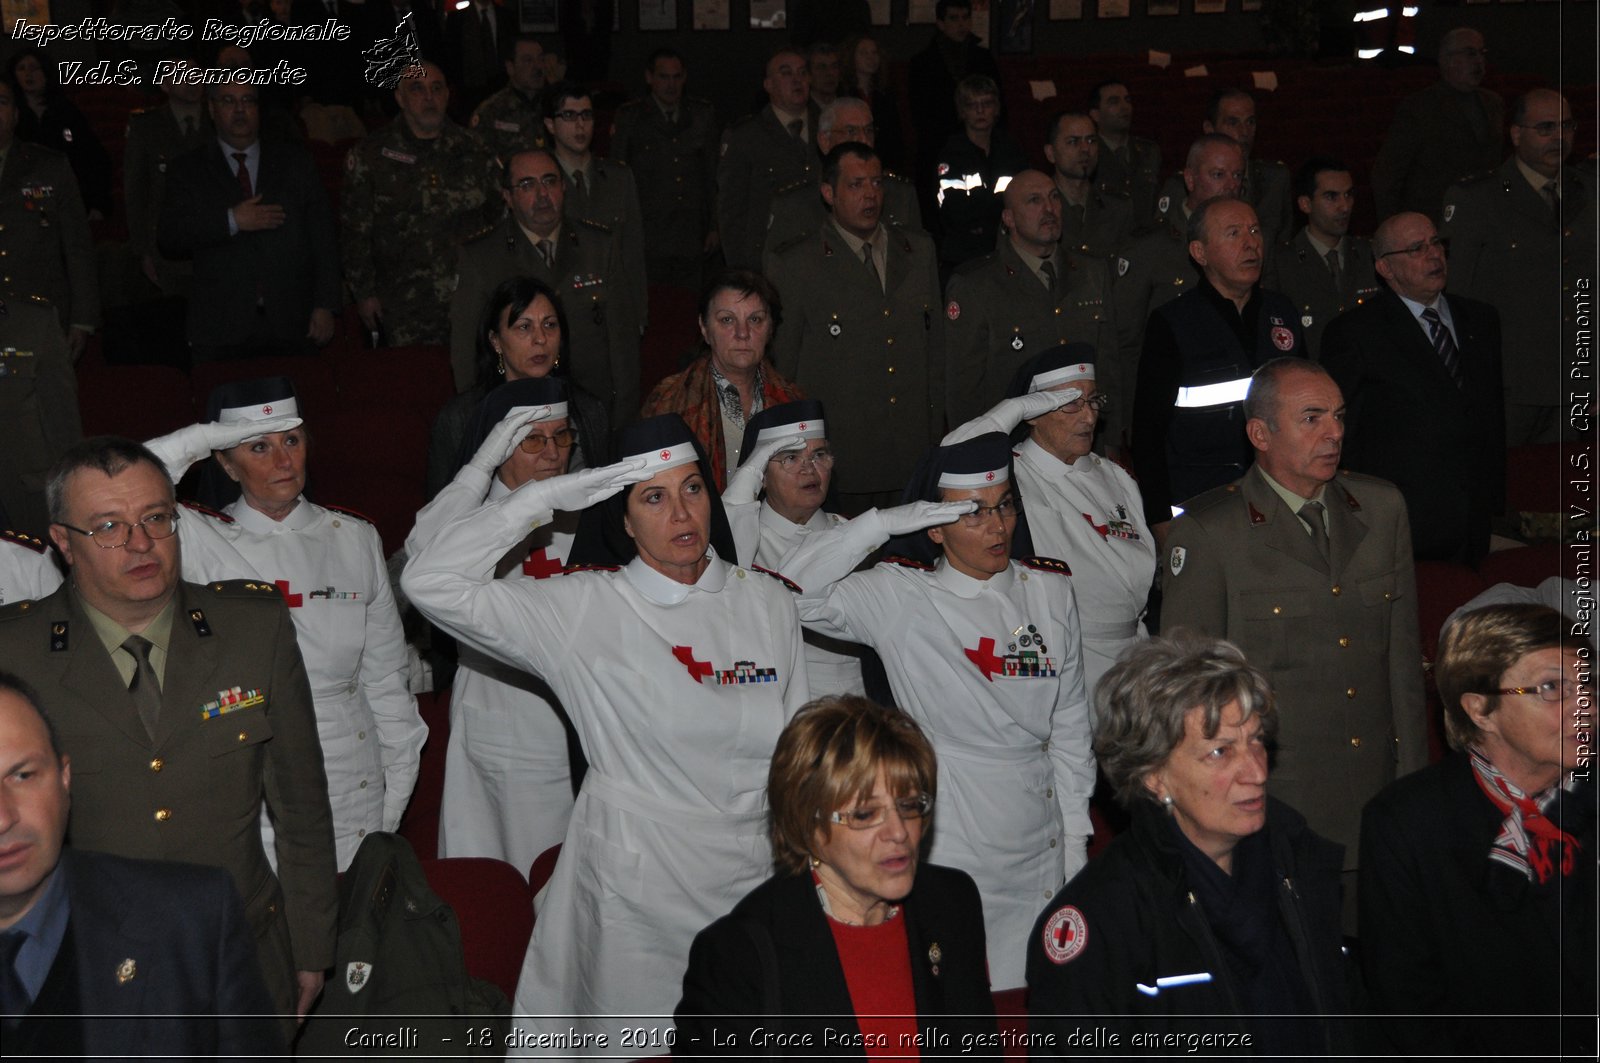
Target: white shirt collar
[
  {"x": 964, "y": 586},
  {"x": 299, "y": 519},
  {"x": 664, "y": 590}
]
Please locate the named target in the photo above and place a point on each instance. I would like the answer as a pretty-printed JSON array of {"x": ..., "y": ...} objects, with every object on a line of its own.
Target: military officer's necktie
[
  {"x": 1311, "y": 513},
  {"x": 1048, "y": 268},
  {"x": 797, "y": 128},
  {"x": 145, "y": 688},
  {"x": 577, "y": 183},
  {"x": 14, "y": 1000},
  {"x": 1552, "y": 197},
  {"x": 1443, "y": 344},
  {"x": 872, "y": 265},
  {"x": 188, "y": 126},
  {"x": 244, "y": 175},
  {"x": 1333, "y": 265},
  {"x": 547, "y": 251}
]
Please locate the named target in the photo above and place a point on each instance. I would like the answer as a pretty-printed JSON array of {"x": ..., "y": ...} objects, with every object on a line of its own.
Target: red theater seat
[
  {"x": 495, "y": 911},
  {"x": 137, "y": 401}
]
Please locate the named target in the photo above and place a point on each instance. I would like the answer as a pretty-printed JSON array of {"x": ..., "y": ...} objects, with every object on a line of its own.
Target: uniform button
[
  {"x": 891, "y": 400},
  {"x": 362, "y": 833},
  {"x": 887, "y": 311},
  {"x": 889, "y": 341},
  {"x": 363, "y": 785},
  {"x": 336, "y": 524},
  {"x": 1050, "y": 791},
  {"x": 1387, "y": 596},
  {"x": 1344, "y": 641},
  {"x": 1058, "y": 311},
  {"x": 891, "y": 370},
  {"x": 1350, "y": 692},
  {"x": 163, "y": 814},
  {"x": 1337, "y": 590},
  {"x": 362, "y": 735},
  {"x": 1355, "y": 743},
  {"x": 1044, "y": 747},
  {"x": 157, "y": 764},
  {"x": 1048, "y": 895},
  {"x": 244, "y": 736},
  {"x": 1277, "y": 610},
  {"x": 1052, "y": 843}
]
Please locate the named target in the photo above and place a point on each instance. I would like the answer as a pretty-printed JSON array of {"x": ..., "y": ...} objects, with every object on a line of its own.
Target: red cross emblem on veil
[{"x": 666, "y": 455}]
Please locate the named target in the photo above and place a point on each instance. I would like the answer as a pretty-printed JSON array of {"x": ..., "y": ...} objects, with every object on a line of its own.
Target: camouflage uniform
[
  {"x": 675, "y": 170},
  {"x": 38, "y": 406},
  {"x": 798, "y": 210},
  {"x": 406, "y": 208},
  {"x": 1001, "y": 315},
  {"x": 508, "y": 122}
]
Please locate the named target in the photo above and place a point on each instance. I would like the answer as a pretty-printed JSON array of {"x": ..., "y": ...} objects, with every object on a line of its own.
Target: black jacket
[
  {"x": 1443, "y": 937},
  {"x": 770, "y": 967},
  {"x": 1137, "y": 922}
]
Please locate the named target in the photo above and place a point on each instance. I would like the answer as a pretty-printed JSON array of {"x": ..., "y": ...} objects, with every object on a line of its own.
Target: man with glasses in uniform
[{"x": 184, "y": 708}]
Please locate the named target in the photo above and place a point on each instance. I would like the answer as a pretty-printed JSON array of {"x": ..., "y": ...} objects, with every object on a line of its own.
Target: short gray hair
[
  {"x": 1261, "y": 401},
  {"x": 830, "y": 114},
  {"x": 1144, "y": 701},
  {"x": 109, "y": 454}
]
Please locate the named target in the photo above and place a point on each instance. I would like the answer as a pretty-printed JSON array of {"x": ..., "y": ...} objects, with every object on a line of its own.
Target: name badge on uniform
[{"x": 507, "y": 127}]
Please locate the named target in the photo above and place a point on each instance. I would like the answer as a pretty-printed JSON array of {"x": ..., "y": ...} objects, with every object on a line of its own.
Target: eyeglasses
[
  {"x": 1006, "y": 510},
  {"x": 528, "y": 184},
  {"x": 869, "y": 816},
  {"x": 794, "y": 460},
  {"x": 535, "y": 443},
  {"x": 114, "y": 534},
  {"x": 1095, "y": 402},
  {"x": 857, "y": 132},
  {"x": 1420, "y": 247},
  {"x": 574, "y": 116},
  {"x": 1549, "y": 129},
  {"x": 1551, "y": 690}
]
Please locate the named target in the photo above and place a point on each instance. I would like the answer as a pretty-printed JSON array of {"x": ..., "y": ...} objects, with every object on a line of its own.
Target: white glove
[
  {"x": 916, "y": 516},
  {"x": 1008, "y": 413},
  {"x": 745, "y": 482},
  {"x": 503, "y": 438},
  {"x": 574, "y": 491},
  {"x": 181, "y": 449}
]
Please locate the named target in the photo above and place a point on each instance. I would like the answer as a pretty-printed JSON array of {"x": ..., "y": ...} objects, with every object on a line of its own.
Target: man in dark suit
[
  {"x": 156, "y": 138},
  {"x": 1421, "y": 373},
  {"x": 763, "y": 152},
  {"x": 185, "y": 708},
  {"x": 158, "y": 954},
  {"x": 1443, "y": 134},
  {"x": 1518, "y": 235},
  {"x": 473, "y": 36},
  {"x": 253, "y": 216}
]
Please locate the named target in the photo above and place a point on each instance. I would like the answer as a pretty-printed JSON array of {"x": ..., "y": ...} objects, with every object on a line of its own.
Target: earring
[
  {"x": 557, "y": 363},
  {"x": 815, "y": 863},
  {"x": 1166, "y": 801}
]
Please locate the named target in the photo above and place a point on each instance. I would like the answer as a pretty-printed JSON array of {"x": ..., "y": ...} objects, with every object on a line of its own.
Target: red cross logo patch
[
  {"x": 666, "y": 455},
  {"x": 1066, "y": 934},
  {"x": 266, "y": 409}
]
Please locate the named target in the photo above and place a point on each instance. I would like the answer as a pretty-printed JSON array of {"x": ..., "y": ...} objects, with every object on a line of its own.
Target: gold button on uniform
[
  {"x": 163, "y": 814},
  {"x": 1350, "y": 692},
  {"x": 1337, "y": 590},
  {"x": 244, "y": 736},
  {"x": 1277, "y": 610},
  {"x": 891, "y": 370},
  {"x": 1356, "y": 742},
  {"x": 891, "y": 400},
  {"x": 157, "y": 764},
  {"x": 1344, "y": 641}
]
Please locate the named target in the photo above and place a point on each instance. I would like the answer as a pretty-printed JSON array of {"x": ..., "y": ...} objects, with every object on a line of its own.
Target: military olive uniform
[
  {"x": 874, "y": 354},
  {"x": 1001, "y": 315},
  {"x": 235, "y": 731},
  {"x": 1299, "y": 272},
  {"x": 603, "y": 334},
  {"x": 1152, "y": 270},
  {"x": 674, "y": 166},
  {"x": 1134, "y": 173},
  {"x": 1268, "y": 187},
  {"x": 406, "y": 208},
  {"x": 799, "y": 211},
  {"x": 45, "y": 248},
  {"x": 1101, "y": 227},
  {"x": 508, "y": 122},
  {"x": 1508, "y": 249},
  {"x": 1439, "y": 136},
  {"x": 38, "y": 406},
  {"x": 154, "y": 139},
  {"x": 607, "y": 195},
  {"x": 759, "y": 156}
]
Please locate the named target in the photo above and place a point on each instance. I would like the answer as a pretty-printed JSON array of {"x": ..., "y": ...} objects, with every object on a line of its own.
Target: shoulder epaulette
[
  {"x": 793, "y": 186},
  {"x": 597, "y": 226},
  {"x": 16, "y": 610},
  {"x": 206, "y": 511},
  {"x": 890, "y": 175},
  {"x": 242, "y": 588},
  {"x": 905, "y": 562},
  {"x": 786, "y": 581},
  {"x": 1047, "y": 564},
  {"x": 792, "y": 242},
  {"x": 348, "y": 512},
  {"x": 570, "y": 569},
  {"x": 479, "y": 234},
  {"x": 24, "y": 540}
]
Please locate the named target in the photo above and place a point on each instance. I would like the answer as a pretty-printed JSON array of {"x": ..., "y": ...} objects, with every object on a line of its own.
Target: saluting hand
[
  {"x": 181, "y": 449},
  {"x": 1006, "y": 414},
  {"x": 744, "y": 484},
  {"x": 503, "y": 438},
  {"x": 916, "y": 516}
]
